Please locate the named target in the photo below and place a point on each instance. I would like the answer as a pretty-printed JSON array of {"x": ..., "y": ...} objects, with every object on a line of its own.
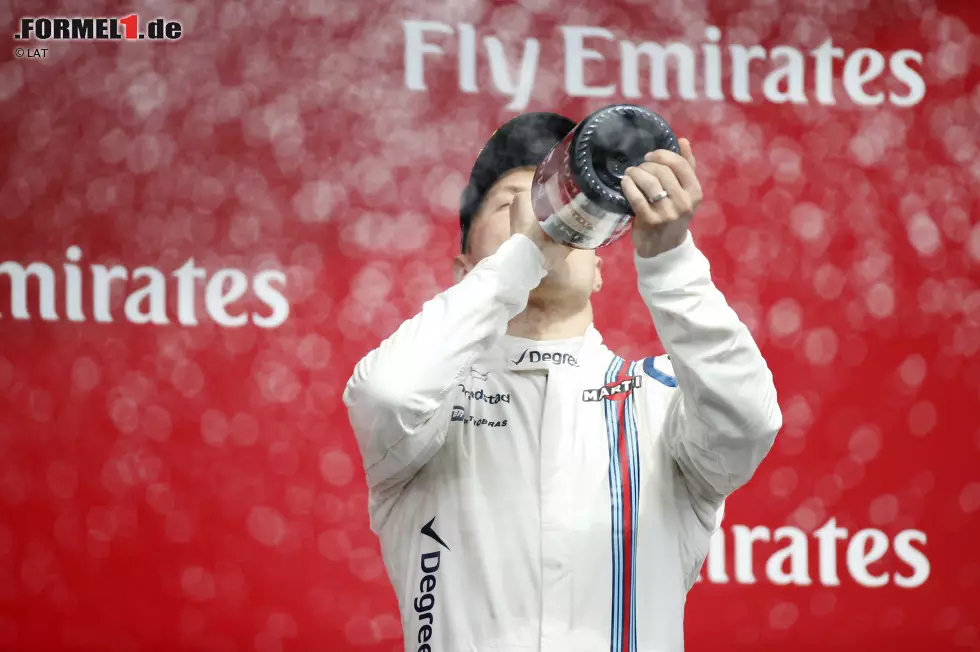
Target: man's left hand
[{"x": 662, "y": 219}]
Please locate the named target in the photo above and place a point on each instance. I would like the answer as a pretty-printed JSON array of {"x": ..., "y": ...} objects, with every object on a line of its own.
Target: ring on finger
[{"x": 660, "y": 195}]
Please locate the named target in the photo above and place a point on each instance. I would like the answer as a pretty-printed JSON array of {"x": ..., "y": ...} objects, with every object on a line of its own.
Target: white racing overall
[{"x": 550, "y": 496}]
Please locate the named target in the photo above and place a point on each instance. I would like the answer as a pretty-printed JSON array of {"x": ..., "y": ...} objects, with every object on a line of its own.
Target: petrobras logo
[
  {"x": 76, "y": 292},
  {"x": 530, "y": 356},
  {"x": 459, "y": 414}
]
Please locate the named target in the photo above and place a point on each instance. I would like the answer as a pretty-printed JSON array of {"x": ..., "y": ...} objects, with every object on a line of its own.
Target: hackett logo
[
  {"x": 614, "y": 391},
  {"x": 532, "y": 357}
]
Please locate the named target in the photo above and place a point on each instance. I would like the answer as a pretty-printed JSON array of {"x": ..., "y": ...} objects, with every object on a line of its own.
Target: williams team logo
[{"x": 617, "y": 390}]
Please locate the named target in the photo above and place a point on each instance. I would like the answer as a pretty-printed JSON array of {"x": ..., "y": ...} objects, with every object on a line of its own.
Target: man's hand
[
  {"x": 524, "y": 221},
  {"x": 662, "y": 220}
]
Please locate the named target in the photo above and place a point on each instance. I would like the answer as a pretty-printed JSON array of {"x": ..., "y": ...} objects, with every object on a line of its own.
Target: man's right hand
[{"x": 524, "y": 221}]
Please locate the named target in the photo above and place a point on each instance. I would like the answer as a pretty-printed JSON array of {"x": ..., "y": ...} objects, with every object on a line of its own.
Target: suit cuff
[
  {"x": 672, "y": 269},
  {"x": 520, "y": 267}
]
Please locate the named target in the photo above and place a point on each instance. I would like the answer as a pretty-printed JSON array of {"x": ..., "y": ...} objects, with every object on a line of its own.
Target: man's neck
[{"x": 545, "y": 321}]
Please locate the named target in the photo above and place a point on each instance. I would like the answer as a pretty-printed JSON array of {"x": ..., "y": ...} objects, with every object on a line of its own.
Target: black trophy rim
[{"x": 590, "y": 181}]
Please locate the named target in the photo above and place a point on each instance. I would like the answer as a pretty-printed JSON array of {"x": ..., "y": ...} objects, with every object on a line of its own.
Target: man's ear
[
  {"x": 461, "y": 267},
  {"x": 597, "y": 280}
]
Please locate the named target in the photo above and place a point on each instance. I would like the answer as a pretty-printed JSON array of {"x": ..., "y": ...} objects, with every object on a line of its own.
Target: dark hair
[{"x": 523, "y": 141}]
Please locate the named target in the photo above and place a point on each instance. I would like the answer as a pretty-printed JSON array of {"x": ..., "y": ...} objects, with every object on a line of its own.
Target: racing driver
[{"x": 533, "y": 491}]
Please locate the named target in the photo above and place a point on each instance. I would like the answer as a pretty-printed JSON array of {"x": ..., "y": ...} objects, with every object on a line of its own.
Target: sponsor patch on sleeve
[{"x": 660, "y": 369}]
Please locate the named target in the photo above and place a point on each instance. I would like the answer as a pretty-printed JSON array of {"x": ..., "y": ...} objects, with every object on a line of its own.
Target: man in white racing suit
[{"x": 531, "y": 490}]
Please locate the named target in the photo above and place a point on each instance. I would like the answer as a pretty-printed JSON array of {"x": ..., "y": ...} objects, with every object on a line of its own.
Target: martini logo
[{"x": 617, "y": 390}]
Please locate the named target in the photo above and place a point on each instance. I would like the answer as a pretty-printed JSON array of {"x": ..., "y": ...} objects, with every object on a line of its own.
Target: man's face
[{"x": 578, "y": 276}]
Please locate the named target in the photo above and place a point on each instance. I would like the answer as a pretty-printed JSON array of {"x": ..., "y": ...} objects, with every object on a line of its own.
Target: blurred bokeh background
[{"x": 200, "y": 237}]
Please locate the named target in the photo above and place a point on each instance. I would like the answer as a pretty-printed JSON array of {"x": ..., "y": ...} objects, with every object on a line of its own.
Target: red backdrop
[{"x": 200, "y": 238}]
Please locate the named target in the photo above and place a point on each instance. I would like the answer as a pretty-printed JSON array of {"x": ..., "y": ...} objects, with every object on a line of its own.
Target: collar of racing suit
[{"x": 521, "y": 354}]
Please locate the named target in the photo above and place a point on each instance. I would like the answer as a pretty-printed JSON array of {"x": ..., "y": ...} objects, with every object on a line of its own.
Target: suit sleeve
[
  {"x": 396, "y": 398},
  {"x": 723, "y": 420}
]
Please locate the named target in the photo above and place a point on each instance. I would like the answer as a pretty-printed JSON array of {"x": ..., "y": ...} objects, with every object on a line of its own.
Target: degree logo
[{"x": 614, "y": 391}]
